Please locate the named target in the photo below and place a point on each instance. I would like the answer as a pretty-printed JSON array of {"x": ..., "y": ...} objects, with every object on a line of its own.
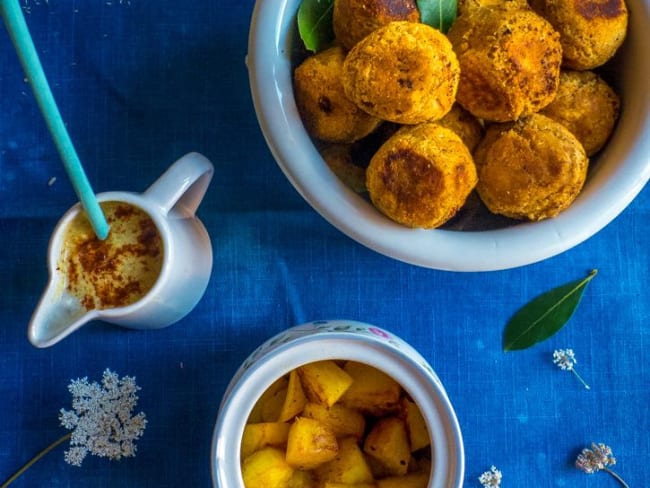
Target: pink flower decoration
[{"x": 379, "y": 332}]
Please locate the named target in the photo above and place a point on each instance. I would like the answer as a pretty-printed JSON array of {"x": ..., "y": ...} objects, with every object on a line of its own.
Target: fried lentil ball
[
  {"x": 326, "y": 112},
  {"x": 421, "y": 176},
  {"x": 353, "y": 20},
  {"x": 509, "y": 59},
  {"x": 404, "y": 72},
  {"x": 590, "y": 30},
  {"x": 587, "y": 106},
  {"x": 340, "y": 160},
  {"x": 467, "y": 6},
  {"x": 463, "y": 123},
  {"x": 532, "y": 168},
  {"x": 349, "y": 161}
]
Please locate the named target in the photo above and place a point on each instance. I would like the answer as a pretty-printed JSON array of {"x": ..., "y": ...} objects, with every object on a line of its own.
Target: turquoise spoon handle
[{"x": 17, "y": 28}]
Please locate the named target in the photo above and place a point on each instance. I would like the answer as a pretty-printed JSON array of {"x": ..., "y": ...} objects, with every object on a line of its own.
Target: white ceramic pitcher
[{"x": 171, "y": 202}]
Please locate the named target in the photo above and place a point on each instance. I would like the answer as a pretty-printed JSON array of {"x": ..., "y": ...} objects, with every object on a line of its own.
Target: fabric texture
[{"x": 140, "y": 84}]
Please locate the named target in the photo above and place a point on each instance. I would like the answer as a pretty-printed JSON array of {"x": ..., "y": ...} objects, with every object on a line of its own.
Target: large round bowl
[
  {"x": 338, "y": 340},
  {"x": 618, "y": 173}
]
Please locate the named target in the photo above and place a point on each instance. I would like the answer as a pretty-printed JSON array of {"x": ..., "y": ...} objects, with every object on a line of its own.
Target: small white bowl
[
  {"x": 338, "y": 339},
  {"x": 618, "y": 175}
]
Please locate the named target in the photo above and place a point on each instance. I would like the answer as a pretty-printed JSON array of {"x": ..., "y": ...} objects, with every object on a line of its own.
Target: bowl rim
[{"x": 609, "y": 190}]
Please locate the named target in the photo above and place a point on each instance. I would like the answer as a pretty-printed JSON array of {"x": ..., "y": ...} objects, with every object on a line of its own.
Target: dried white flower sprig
[
  {"x": 598, "y": 458},
  {"x": 101, "y": 421},
  {"x": 491, "y": 479},
  {"x": 565, "y": 359}
]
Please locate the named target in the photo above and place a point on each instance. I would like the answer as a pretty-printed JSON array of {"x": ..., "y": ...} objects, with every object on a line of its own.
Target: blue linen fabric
[{"x": 142, "y": 83}]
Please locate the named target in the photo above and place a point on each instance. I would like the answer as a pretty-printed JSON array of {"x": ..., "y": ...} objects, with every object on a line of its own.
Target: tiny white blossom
[
  {"x": 491, "y": 479},
  {"x": 598, "y": 458},
  {"x": 101, "y": 421},
  {"x": 595, "y": 459},
  {"x": 565, "y": 359},
  {"x": 75, "y": 455}
]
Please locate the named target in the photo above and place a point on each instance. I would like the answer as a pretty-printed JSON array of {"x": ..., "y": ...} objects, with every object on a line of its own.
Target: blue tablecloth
[{"x": 142, "y": 83}]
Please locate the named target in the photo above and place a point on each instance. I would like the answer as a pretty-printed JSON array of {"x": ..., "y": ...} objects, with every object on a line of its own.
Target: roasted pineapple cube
[
  {"x": 310, "y": 444},
  {"x": 294, "y": 400},
  {"x": 257, "y": 412},
  {"x": 259, "y": 435},
  {"x": 388, "y": 443},
  {"x": 266, "y": 468},
  {"x": 324, "y": 382},
  {"x": 415, "y": 425},
  {"x": 343, "y": 421},
  {"x": 411, "y": 480},
  {"x": 372, "y": 391},
  {"x": 273, "y": 405},
  {"x": 377, "y": 468},
  {"x": 302, "y": 479},
  {"x": 349, "y": 466}
]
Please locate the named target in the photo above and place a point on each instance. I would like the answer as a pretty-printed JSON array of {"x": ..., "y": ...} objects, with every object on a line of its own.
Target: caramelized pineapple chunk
[
  {"x": 256, "y": 413},
  {"x": 349, "y": 466},
  {"x": 372, "y": 391},
  {"x": 294, "y": 400},
  {"x": 324, "y": 382},
  {"x": 343, "y": 421},
  {"x": 388, "y": 443},
  {"x": 302, "y": 479},
  {"x": 259, "y": 435},
  {"x": 266, "y": 468},
  {"x": 310, "y": 444},
  {"x": 415, "y": 425},
  {"x": 411, "y": 480}
]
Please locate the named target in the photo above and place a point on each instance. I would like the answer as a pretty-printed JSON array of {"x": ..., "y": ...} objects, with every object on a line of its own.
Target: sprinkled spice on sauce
[{"x": 119, "y": 270}]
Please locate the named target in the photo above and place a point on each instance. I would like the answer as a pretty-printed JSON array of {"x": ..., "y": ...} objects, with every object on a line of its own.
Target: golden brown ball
[
  {"x": 587, "y": 106},
  {"x": 340, "y": 159},
  {"x": 421, "y": 176},
  {"x": 467, "y": 6},
  {"x": 463, "y": 123},
  {"x": 591, "y": 31},
  {"x": 510, "y": 62},
  {"x": 353, "y": 20},
  {"x": 530, "y": 169},
  {"x": 326, "y": 111},
  {"x": 404, "y": 72}
]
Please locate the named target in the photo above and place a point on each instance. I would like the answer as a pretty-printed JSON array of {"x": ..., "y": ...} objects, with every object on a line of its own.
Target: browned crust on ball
[
  {"x": 421, "y": 176},
  {"x": 587, "y": 106},
  {"x": 591, "y": 31},
  {"x": 530, "y": 169},
  {"x": 327, "y": 113},
  {"x": 510, "y": 62},
  {"x": 404, "y": 72},
  {"x": 353, "y": 20}
]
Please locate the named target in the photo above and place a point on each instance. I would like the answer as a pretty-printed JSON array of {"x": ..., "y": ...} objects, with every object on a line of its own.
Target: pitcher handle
[{"x": 183, "y": 185}]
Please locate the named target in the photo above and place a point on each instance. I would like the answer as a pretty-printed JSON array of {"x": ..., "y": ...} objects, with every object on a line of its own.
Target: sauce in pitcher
[{"x": 115, "y": 272}]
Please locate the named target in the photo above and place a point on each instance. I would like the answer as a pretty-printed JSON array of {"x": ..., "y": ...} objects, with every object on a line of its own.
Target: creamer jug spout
[{"x": 57, "y": 315}]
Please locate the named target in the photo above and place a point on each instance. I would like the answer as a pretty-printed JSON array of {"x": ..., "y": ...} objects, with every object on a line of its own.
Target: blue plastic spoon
[{"x": 22, "y": 40}]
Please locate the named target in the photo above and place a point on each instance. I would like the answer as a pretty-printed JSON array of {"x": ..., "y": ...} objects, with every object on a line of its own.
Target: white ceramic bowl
[
  {"x": 338, "y": 339},
  {"x": 618, "y": 175}
]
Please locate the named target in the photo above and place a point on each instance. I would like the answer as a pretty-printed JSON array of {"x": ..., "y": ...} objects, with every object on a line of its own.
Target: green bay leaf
[
  {"x": 546, "y": 314},
  {"x": 315, "y": 23},
  {"x": 439, "y": 14}
]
